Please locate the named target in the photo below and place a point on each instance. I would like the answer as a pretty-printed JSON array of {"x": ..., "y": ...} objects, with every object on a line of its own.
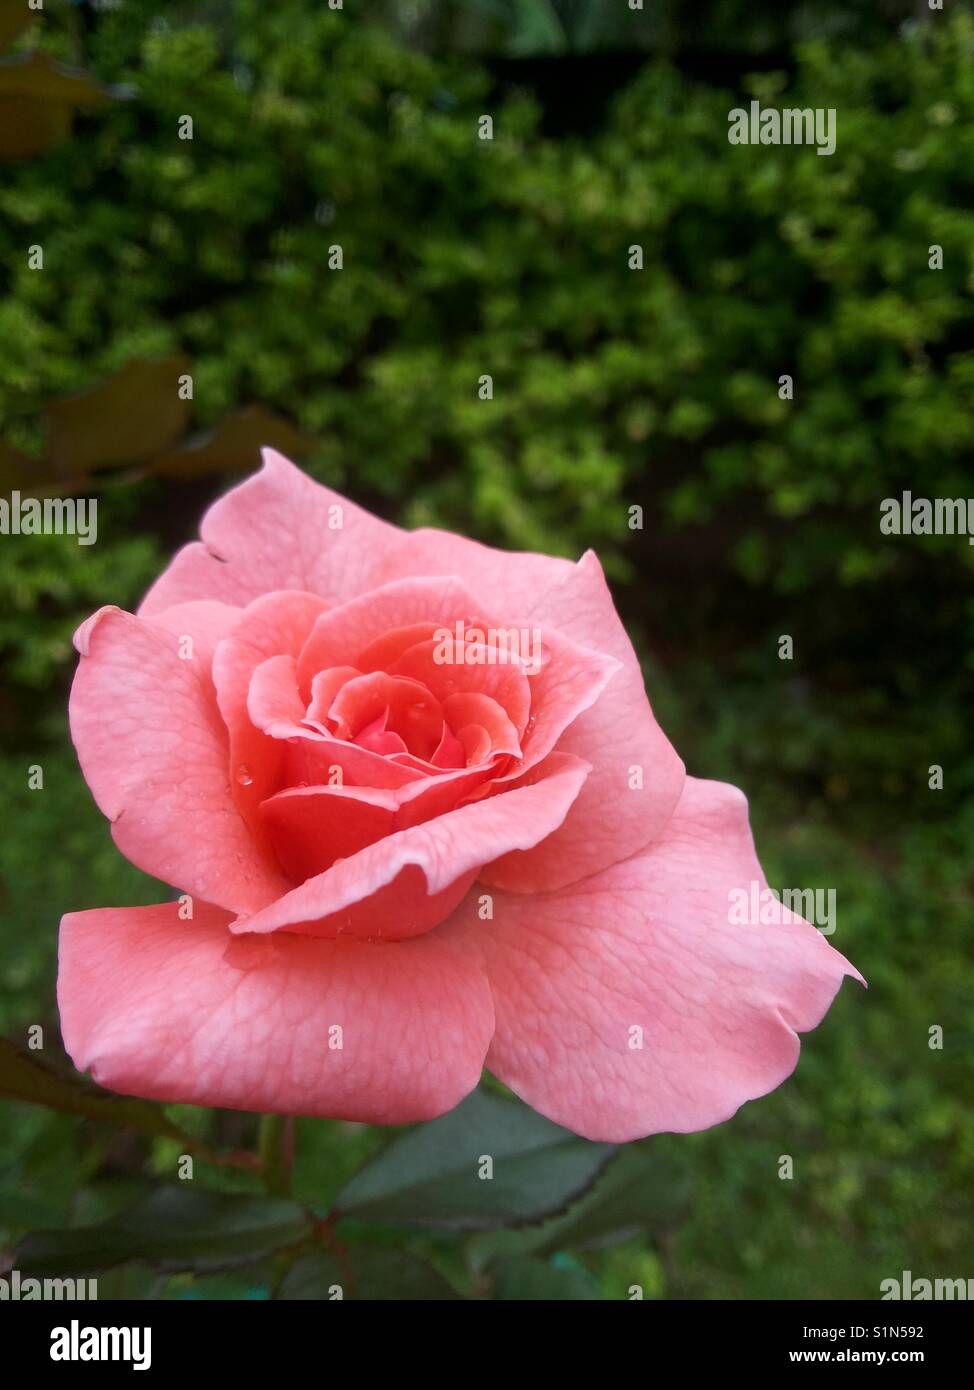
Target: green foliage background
[{"x": 612, "y": 388}]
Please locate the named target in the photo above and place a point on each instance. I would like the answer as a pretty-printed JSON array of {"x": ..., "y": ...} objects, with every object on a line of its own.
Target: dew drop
[{"x": 243, "y": 775}]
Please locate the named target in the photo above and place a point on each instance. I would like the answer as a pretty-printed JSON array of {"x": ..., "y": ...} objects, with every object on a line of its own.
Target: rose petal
[
  {"x": 619, "y": 732},
  {"x": 154, "y": 1006},
  {"x": 325, "y": 761},
  {"x": 448, "y": 753},
  {"x": 570, "y": 681},
  {"x": 273, "y": 625},
  {"x": 378, "y": 739},
  {"x": 630, "y": 1005},
  {"x": 471, "y": 672},
  {"x": 476, "y": 742},
  {"x": 311, "y": 827},
  {"x": 428, "y": 861},
  {"x": 373, "y": 623},
  {"x": 618, "y": 735},
  {"x": 405, "y": 707},
  {"x": 273, "y": 703},
  {"x": 204, "y": 622},
  {"x": 278, "y": 530},
  {"x": 501, "y": 579},
  {"x": 311, "y": 756},
  {"x": 380, "y": 654},
  {"x": 153, "y": 750},
  {"x": 472, "y": 709},
  {"x": 324, "y": 688}
]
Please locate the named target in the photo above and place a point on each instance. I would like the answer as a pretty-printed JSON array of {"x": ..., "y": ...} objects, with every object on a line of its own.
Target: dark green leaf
[
  {"x": 432, "y": 1176},
  {"x": 638, "y": 1192},
  {"x": 366, "y": 1273},
  {"x": 131, "y": 1282},
  {"x": 251, "y": 1283},
  {"x": 25, "y": 1079},
  {"x": 175, "y": 1228},
  {"x": 520, "y": 1278}
]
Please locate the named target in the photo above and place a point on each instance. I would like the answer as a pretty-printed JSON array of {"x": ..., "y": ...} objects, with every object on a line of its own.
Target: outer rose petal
[
  {"x": 153, "y": 750},
  {"x": 648, "y": 944},
  {"x": 205, "y": 621},
  {"x": 609, "y": 822},
  {"x": 427, "y": 863},
  {"x": 275, "y": 531},
  {"x": 508, "y": 580},
  {"x": 179, "y": 1011}
]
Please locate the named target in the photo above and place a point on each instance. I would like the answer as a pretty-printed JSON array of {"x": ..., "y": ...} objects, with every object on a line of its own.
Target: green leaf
[
  {"x": 432, "y": 1176},
  {"x": 366, "y": 1273},
  {"x": 23, "y": 1078},
  {"x": 175, "y": 1228},
  {"x": 520, "y": 1278},
  {"x": 250, "y": 1283},
  {"x": 131, "y": 1282},
  {"x": 640, "y": 1191},
  {"x": 537, "y": 29}
]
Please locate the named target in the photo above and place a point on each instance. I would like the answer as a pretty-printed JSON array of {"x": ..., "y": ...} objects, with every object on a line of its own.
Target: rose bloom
[{"x": 420, "y": 819}]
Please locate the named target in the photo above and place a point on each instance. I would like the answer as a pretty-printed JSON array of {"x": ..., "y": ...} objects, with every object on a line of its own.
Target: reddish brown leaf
[
  {"x": 15, "y": 15},
  {"x": 128, "y": 419},
  {"x": 234, "y": 445},
  {"x": 38, "y": 99}
]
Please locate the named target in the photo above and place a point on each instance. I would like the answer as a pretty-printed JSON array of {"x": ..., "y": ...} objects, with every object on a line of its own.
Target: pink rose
[{"x": 421, "y": 818}]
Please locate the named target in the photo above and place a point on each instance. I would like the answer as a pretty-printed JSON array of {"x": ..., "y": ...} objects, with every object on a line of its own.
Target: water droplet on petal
[{"x": 244, "y": 776}]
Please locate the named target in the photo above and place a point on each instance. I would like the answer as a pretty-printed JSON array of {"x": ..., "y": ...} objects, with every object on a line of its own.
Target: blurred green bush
[{"x": 611, "y": 387}]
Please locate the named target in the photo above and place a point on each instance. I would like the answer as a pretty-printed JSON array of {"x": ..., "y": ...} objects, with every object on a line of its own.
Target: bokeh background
[{"x": 315, "y": 128}]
